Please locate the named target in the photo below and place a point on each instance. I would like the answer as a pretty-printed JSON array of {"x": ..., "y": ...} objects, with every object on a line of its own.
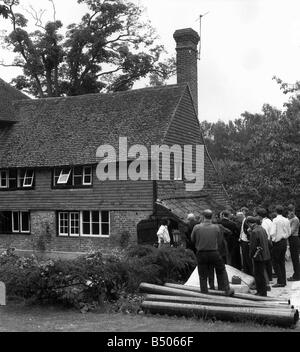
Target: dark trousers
[
  {"x": 206, "y": 261},
  {"x": 235, "y": 256},
  {"x": 278, "y": 258},
  {"x": 247, "y": 262},
  {"x": 269, "y": 266},
  {"x": 260, "y": 277},
  {"x": 294, "y": 249}
]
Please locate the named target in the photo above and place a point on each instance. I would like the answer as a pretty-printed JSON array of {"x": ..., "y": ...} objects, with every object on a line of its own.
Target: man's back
[{"x": 205, "y": 236}]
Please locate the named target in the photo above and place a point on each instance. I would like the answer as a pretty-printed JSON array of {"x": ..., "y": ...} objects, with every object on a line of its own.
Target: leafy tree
[
  {"x": 260, "y": 162},
  {"x": 108, "y": 50}
]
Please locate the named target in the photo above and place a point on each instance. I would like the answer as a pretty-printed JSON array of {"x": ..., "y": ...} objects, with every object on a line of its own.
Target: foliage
[
  {"x": 108, "y": 50},
  {"x": 92, "y": 280},
  {"x": 258, "y": 155}
]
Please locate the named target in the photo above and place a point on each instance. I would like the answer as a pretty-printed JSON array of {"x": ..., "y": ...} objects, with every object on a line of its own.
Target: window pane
[
  {"x": 105, "y": 216},
  {"x": 5, "y": 222},
  {"x": 86, "y": 228},
  {"x": 96, "y": 228},
  {"x": 12, "y": 175},
  {"x": 86, "y": 216},
  {"x": 25, "y": 222},
  {"x": 105, "y": 229},
  {"x": 95, "y": 216},
  {"x": 15, "y": 222},
  {"x": 3, "y": 179}
]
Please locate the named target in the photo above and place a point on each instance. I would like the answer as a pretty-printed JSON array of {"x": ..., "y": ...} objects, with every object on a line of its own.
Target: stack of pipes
[{"x": 182, "y": 300}]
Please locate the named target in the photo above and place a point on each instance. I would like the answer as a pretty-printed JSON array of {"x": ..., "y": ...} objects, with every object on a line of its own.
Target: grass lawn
[{"x": 17, "y": 317}]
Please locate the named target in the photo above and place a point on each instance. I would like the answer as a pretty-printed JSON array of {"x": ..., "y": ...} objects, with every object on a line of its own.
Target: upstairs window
[
  {"x": 25, "y": 178},
  {"x": 14, "y": 179},
  {"x": 4, "y": 179},
  {"x": 75, "y": 177}
]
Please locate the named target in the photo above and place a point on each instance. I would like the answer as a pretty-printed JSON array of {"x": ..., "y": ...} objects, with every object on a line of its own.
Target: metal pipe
[
  {"x": 213, "y": 302},
  {"x": 245, "y": 296},
  {"x": 264, "y": 316}
]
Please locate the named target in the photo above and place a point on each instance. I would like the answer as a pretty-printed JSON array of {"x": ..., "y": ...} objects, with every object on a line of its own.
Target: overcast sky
[{"x": 244, "y": 44}]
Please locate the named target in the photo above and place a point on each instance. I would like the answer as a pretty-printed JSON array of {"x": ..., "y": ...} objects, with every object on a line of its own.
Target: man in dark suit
[
  {"x": 259, "y": 252},
  {"x": 232, "y": 240}
]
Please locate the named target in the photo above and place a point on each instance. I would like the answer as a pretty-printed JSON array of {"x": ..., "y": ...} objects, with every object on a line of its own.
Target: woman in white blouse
[{"x": 163, "y": 234}]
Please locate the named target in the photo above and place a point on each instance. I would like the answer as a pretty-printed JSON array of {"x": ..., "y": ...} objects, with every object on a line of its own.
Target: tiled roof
[
  {"x": 68, "y": 131},
  {"x": 180, "y": 207},
  {"x": 8, "y": 94}
]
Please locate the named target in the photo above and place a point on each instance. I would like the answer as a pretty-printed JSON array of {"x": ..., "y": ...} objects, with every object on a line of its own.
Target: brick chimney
[{"x": 187, "y": 59}]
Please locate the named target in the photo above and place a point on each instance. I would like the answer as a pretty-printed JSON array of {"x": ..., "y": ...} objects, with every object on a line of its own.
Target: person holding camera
[{"x": 259, "y": 252}]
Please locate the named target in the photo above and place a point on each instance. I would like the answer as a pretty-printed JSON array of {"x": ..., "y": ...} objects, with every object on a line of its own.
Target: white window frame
[
  {"x": 31, "y": 178},
  {"x": 85, "y": 174},
  {"x": 70, "y": 223},
  {"x": 63, "y": 234},
  {"x": 21, "y": 221},
  {"x": 13, "y": 221},
  {"x": 6, "y": 179},
  {"x": 64, "y": 177},
  {"x": 101, "y": 222}
]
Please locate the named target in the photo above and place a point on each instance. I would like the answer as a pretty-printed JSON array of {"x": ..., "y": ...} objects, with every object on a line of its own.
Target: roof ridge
[{"x": 82, "y": 96}]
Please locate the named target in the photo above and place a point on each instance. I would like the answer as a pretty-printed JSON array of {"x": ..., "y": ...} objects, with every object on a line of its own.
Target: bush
[{"x": 91, "y": 280}]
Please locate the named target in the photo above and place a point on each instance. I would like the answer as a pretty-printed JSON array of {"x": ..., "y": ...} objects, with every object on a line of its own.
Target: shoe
[
  {"x": 292, "y": 279},
  {"x": 261, "y": 294},
  {"x": 278, "y": 285}
]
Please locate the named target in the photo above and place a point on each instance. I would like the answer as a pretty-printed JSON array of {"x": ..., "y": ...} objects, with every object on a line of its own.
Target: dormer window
[{"x": 73, "y": 177}]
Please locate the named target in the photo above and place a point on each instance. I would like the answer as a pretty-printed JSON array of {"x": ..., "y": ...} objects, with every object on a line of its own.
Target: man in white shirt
[{"x": 280, "y": 232}]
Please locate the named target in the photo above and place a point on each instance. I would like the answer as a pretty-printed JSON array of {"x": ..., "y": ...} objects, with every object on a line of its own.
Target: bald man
[
  {"x": 206, "y": 237},
  {"x": 191, "y": 222}
]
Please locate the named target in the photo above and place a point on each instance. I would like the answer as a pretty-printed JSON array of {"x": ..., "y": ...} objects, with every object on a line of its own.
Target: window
[
  {"x": 13, "y": 222},
  {"x": 16, "y": 179},
  {"x": 85, "y": 223},
  {"x": 3, "y": 179},
  {"x": 75, "y": 177},
  {"x": 63, "y": 224},
  {"x": 74, "y": 224},
  {"x": 28, "y": 178},
  {"x": 87, "y": 176},
  {"x": 64, "y": 177}
]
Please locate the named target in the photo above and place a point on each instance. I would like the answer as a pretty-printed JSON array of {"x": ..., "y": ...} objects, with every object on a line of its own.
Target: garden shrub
[{"x": 92, "y": 279}]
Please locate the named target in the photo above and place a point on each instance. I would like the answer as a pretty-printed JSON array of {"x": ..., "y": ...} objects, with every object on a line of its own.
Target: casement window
[
  {"x": 84, "y": 223},
  {"x": 75, "y": 177},
  {"x": 14, "y": 222},
  {"x": 14, "y": 179},
  {"x": 4, "y": 179},
  {"x": 64, "y": 177},
  {"x": 25, "y": 178}
]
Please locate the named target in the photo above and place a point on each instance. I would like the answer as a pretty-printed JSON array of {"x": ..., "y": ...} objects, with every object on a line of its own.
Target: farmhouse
[{"x": 50, "y": 196}]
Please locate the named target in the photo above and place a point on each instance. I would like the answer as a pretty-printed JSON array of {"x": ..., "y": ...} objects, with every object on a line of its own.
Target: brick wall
[{"x": 44, "y": 239}]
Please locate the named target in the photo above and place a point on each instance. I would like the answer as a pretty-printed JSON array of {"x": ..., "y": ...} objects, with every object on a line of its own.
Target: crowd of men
[{"x": 255, "y": 243}]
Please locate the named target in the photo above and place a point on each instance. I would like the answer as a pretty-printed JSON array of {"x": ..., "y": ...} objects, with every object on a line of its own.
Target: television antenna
[{"x": 200, "y": 34}]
